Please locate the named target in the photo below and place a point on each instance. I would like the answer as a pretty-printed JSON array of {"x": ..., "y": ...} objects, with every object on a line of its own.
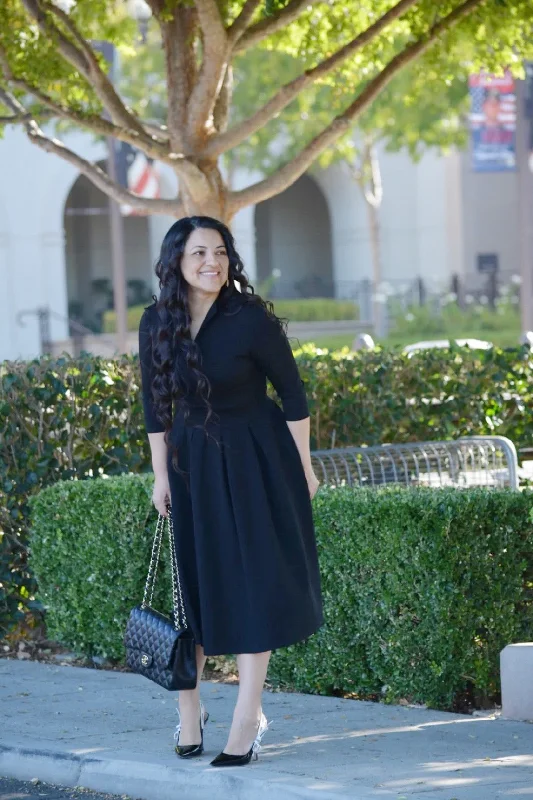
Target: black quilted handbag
[{"x": 158, "y": 647}]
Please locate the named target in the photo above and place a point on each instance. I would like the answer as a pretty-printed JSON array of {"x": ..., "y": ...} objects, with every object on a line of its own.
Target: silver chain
[
  {"x": 154, "y": 562},
  {"x": 177, "y": 596},
  {"x": 180, "y": 620}
]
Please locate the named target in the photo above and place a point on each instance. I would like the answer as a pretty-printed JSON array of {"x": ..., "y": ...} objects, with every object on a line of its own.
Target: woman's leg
[
  {"x": 247, "y": 714},
  {"x": 189, "y": 705}
]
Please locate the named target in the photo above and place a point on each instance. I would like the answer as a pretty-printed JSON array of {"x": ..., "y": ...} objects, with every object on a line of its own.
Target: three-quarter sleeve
[
  {"x": 272, "y": 353},
  {"x": 152, "y": 423}
]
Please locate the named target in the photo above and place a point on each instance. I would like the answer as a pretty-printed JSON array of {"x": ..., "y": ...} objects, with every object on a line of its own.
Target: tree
[
  {"x": 423, "y": 107},
  {"x": 350, "y": 49},
  {"x": 418, "y": 111}
]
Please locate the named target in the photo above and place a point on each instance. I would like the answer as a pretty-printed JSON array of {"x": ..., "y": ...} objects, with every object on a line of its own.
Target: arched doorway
[
  {"x": 88, "y": 255},
  {"x": 293, "y": 237}
]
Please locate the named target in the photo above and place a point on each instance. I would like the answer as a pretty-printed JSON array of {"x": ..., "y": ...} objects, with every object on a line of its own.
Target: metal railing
[
  {"x": 78, "y": 332},
  {"x": 489, "y": 461}
]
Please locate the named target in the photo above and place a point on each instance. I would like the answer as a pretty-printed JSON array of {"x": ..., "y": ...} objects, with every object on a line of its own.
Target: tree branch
[
  {"x": 222, "y": 106},
  {"x": 226, "y": 141},
  {"x": 184, "y": 169},
  {"x": 82, "y": 58},
  {"x": 214, "y": 67},
  {"x": 286, "y": 175},
  {"x": 240, "y": 23},
  {"x": 160, "y": 132},
  {"x": 210, "y": 20},
  {"x": 21, "y": 119},
  {"x": 11, "y": 102},
  {"x": 273, "y": 23},
  {"x": 177, "y": 33},
  {"x": 150, "y": 144},
  {"x": 98, "y": 177},
  {"x": 15, "y": 119}
]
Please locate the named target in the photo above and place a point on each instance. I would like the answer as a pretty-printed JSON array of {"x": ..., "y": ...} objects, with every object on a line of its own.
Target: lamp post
[
  {"x": 140, "y": 11},
  {"x": 526, "y": 197}
]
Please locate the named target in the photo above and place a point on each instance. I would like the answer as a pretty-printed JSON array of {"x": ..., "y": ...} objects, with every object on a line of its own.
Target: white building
[{"x": 54, "y": 233}]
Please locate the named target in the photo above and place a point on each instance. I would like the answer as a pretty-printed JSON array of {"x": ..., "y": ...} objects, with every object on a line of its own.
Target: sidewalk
[{"x": 112, "y": 732}]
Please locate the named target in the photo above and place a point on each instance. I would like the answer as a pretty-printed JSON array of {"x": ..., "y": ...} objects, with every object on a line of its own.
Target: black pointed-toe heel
[
  {"x": 228, "y": 760},
  {"x": 191, "y": 750}
]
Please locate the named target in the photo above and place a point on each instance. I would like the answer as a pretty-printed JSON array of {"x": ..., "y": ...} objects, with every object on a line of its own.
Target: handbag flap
[{"x": 152, "y": 634}]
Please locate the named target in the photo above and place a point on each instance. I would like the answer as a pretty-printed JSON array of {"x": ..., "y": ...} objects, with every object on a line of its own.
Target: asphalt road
[{"x": 11, "y": 789}]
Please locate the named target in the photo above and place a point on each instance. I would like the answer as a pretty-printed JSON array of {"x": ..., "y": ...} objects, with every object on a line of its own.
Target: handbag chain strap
[{"x": 180, "y": 620}]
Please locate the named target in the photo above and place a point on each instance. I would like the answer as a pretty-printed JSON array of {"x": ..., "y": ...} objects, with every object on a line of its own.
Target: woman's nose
[{"x": 211, "y": 259}]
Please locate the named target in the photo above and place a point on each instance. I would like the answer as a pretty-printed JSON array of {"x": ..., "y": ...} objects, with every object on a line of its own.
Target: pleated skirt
[{"x": 244, "y": 534}]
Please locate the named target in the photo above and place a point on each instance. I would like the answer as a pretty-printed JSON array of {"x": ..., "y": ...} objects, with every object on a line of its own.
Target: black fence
[{"x": 480, "y": 290}]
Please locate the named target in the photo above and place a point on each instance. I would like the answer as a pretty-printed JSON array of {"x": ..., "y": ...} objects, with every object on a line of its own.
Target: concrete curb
[{"x": 158, "y": 781}]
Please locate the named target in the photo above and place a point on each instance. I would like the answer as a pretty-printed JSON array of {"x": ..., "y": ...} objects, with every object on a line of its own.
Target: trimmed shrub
[
  {"x": 446, "y": 321},
  {"x": 316, "y": 309},
  {"x": 422, "y": 588},
  {"x": 59, "y": 419},
  {"x": 79, "y": 418},
  {"x": 383, "y": 396},
  {"x": 90, "y": 550}
]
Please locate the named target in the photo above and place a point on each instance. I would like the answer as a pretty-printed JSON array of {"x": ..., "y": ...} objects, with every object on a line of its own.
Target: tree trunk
[{"x": 208, "y": 197}]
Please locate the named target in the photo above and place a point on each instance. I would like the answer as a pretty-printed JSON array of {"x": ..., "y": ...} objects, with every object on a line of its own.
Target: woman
[{"x": 234, "y": 468}]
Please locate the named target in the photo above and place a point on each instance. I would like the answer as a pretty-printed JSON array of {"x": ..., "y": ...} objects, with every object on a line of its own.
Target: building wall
[
  {"x": 293, "y": 236},
  {"x": 413, "y": 226},
  {"x": 32, "y": 248},
  {"x": 436, "y": 216},
  {"x": 491, "y": 219}
]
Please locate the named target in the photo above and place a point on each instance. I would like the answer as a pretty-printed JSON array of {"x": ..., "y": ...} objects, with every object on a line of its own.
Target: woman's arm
[
  {"x": 273, "y": 354},
  {"x": 161, "y": 492},
  {"x": 300, "y": 430},
  {"x": 154, "y": 428}
]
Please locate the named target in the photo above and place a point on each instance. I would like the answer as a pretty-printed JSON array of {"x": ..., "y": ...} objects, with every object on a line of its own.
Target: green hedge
[
  {"x": 302, "y": 310},
  {"x": 59, "y": 419},
  {"x": 315, "y": 309},
  {"x": 431, "y": 321},
  {"x": 422, "y": 588},
  {"x": 90, "y": 550},
  {"x": 65, "y": 418}
]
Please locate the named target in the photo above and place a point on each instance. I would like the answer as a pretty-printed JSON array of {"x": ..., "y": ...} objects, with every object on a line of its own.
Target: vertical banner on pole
[
  {"x": 493, "y": 122},
  {"x": 528, "y": 109}
]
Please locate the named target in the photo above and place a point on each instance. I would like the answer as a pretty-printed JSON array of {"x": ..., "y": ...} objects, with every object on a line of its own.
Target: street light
[
  {"x": 64, "y": 5},
  {"x": 141, "y": 12},
  {"x": 526, "y": 203}
]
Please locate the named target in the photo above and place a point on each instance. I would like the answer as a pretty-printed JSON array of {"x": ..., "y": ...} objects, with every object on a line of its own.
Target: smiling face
[
  {"x": 205, "y": 262},
  {"x": 491, "y": 109}
]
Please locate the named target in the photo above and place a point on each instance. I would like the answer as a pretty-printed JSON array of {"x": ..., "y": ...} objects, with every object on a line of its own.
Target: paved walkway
[{"x": 112, "y": 732}]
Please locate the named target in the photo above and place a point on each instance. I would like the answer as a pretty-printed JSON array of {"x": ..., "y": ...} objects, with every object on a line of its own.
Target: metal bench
[{"x": 489, "y": 461}]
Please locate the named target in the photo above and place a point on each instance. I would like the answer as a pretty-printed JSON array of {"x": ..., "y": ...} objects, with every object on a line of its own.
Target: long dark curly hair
[{"x": 176, "y": 357}]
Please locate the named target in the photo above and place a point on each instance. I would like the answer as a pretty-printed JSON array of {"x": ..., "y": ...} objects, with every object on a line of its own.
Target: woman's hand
[
  {"x": 312, "y": 482},
  {"x": 161, "y": 494}
]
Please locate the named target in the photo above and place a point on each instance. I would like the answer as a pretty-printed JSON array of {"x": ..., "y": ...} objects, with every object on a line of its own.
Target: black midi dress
[{"x": 241, "y": 509}]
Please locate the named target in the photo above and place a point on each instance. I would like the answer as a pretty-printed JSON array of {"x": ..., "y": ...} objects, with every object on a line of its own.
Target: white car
[{"x": 473, "y": 344}]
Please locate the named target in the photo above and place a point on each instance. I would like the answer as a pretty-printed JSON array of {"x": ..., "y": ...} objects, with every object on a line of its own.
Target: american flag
[{"x": 138, "y": 174}]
